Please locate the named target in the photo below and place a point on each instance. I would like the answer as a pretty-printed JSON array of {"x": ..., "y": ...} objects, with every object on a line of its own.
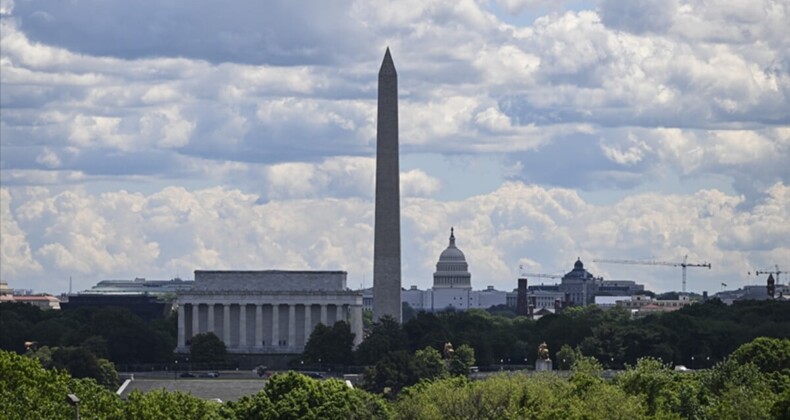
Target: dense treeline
[
  {"x": 697, "y": 336},
  {"x": 112, "y": 333},
  {"x": 85, "y": 342},
  {"x": 754, "y": 383}
]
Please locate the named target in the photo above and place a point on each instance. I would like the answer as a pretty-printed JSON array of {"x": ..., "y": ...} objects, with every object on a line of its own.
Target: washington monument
[{"x": 386, "y": 246}]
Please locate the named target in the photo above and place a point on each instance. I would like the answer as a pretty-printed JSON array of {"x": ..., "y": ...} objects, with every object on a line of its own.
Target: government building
[
  {"x": 452, "y": 287},
  {"x": 266, "y": 312}
]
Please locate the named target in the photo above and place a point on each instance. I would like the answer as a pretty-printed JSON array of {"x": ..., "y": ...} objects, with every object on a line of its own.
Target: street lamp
[
  {"x": 75, "y": 402},
  {"x": 175, "y": 371}
]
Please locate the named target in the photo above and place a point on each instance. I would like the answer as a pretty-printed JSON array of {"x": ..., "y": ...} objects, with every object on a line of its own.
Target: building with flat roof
[{"x": 266, "y": 311}]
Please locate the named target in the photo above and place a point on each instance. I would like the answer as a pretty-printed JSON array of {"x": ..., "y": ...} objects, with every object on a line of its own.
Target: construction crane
[
  {"x": 777, "y": 272},
  {"x": 684, "y": 264}
]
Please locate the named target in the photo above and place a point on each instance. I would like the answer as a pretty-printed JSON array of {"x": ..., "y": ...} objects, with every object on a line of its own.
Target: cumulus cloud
[
  {"x": 274, "y": 110},
  {"x": 175, "y": 231}
]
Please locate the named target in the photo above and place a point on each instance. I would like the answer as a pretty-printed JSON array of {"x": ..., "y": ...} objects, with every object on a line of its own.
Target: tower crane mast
[{"x": 683, "y": 265}]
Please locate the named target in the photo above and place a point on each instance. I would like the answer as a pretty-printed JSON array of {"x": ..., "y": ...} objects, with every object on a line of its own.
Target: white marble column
[
  {"x": 323, "y": 313},
  {"x": 195, "y": 319},
  {"x": 211, "y": 326},
  {"x": 308, "y": 321},
  {"x": 242, "y": 326},
  {"x": 339, "y": 313},
  {"x": 356, "y": 323},
  {"x": 276, "y": 324},
  {"x": 182, "y": 342},
  {"x": 226, "y": 324},
  {"x": 291, "y": 325},
  {"x": 258, "y": 326}
]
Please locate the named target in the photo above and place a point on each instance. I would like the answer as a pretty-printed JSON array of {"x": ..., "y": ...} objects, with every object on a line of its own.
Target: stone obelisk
[{"x": 386, "y": 252}]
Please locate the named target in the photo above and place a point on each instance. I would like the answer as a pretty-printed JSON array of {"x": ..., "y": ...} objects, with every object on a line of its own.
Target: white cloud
[
  {"x": 283, "y": 109},
  {"x": 417, "y": 183}
]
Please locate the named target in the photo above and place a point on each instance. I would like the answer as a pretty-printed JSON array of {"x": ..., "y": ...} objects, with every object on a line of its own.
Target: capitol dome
[{"x": 452, "y": 271}]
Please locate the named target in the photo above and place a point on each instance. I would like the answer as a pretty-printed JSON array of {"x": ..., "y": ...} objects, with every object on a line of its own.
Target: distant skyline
[{"x": 151, "y": 139}]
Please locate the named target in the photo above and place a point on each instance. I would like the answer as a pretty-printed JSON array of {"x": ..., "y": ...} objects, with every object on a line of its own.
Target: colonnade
[{"x": 263, "y": 327}]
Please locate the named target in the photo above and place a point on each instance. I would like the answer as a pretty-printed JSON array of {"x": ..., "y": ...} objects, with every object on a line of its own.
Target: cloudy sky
[{"x": 152, "y": 138}]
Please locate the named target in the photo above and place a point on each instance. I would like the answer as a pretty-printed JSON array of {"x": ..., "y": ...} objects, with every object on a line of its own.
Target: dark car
[
  {"x": 315, "y": 375},
  {"x": 187, "y": 375}
]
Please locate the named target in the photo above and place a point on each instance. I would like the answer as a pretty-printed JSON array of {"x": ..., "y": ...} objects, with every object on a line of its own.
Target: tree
[
  {"x": 395, "y": 371},
  {"x": 386, "y": 336},
  {"x": 407, "y": 312},
  {"x": 129, "y": 338},
  {"x": 207, "y": 348},
  {"x": 80, "y": 362},
  {"x": 462, "y": 359},
  {"x": 161, "y": 404},
  {"x": 295, "y": 396},
  {"x": 429, "y": 364},
  {"x": 771, "y": 356},
  {"x": 567, "y": 356},
  {"x": 330, "y": 345},
  {"x": 29, "y": 391}
]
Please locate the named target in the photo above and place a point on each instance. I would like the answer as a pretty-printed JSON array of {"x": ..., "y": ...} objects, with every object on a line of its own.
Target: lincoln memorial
[{"x": 266, "y": 312}]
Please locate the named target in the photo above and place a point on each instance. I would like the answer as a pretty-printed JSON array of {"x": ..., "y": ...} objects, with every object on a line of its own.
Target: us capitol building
[{"x": 452, "y": 286}]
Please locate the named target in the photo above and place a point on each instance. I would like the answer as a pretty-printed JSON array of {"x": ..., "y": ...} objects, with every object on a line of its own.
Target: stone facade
[
  {"x": 386, "y": 252},
  {"x": 266, "y": 312}
]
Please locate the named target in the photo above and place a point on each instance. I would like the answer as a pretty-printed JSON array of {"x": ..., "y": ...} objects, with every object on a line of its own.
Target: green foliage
[
  {"x": 462, "y": 359},
  {"x": 161, "y": 404},
  {"x": 295, "y": 396},
  {"x": 386, "y": 336},
  {"x": 586, "y": 374},
  {"x": 771, "y": 356},
  {"x": 652, "y": 381},
  {"x": 207, "y": 348},
  {"x": 97, "y": 345},
  {"x": 392, "y": 373},
  {"x": 429, "y": 364},
  {"x": 567, "y": 356},
  {"x": 514, "y": 397},
  {"x": 330, "y": 345},
  {"x": 43, "y": 355},
  {"x": 29, "y": 391},
  {"x": 112, "y": 333},
  {"x": 16, "y": 322},
  {"x": 80, "y": 362},
  {"x": 407, "y": 312},
  {"x": 108, "y": 375}
]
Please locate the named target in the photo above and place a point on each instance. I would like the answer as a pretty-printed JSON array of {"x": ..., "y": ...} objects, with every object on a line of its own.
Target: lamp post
[
  {"x": 75, "y": 402},
  {"x": 175, "y": 371}
]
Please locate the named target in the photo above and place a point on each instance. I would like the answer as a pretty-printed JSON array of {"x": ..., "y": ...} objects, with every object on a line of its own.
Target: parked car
[
  {"x": 212, "y": 374},
  {"x": 187, "y": 375},
  {"x": 314, "y": 375}
]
